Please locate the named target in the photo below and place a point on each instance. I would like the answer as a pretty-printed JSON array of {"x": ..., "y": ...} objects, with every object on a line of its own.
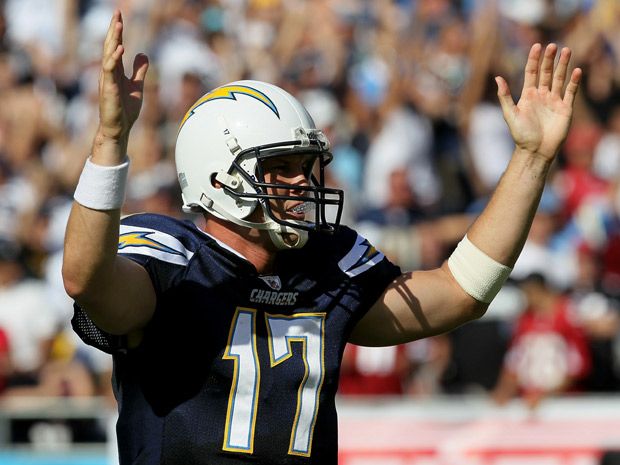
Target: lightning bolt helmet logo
[{"x": 230, "y": 93}]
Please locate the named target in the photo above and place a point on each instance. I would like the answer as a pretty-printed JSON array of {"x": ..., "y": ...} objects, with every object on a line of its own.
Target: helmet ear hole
[{"x": 214, "y": 182}]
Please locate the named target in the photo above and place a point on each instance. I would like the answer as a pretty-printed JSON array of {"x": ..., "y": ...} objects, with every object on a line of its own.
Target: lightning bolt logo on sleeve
[
  {"x": 140, "y": 239},
  {"x": 360, "y": 258},
  {"x": 145, "y": 241},
  {"x": 230, "y": 93}
]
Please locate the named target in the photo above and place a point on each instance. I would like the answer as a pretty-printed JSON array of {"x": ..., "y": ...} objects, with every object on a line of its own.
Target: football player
[{"x": 227, "y": 340}]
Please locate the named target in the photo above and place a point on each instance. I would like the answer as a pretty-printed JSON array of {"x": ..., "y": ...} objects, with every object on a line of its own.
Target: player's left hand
[{"x": 540, "y": 120}]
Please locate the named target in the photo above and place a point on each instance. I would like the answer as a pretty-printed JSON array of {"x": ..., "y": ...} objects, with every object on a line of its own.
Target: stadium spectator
[
  {"x": 374, "y": 370},
  {"x": 606, "y": 162},
  {"x": 577, "y": 184},
  {"x": 598, "y": 314},
  {"x": 548, "y": 354},
  {"x": 23, "y": 316}
]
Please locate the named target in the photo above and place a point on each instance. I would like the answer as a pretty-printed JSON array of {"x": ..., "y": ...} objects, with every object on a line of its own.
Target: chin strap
[
  {"x": 283, "y": 237},
  {"x": 277, "y": 237}
]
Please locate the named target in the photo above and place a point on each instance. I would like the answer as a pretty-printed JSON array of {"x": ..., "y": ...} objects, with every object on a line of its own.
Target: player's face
[{"x": 291, "y": 171}]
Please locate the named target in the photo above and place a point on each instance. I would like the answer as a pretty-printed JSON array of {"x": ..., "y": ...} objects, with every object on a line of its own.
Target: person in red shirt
[
  {"x": 577, "y": 183},
  {"x": 548, "y": 353},
  {"x": 374, "y": 370}
]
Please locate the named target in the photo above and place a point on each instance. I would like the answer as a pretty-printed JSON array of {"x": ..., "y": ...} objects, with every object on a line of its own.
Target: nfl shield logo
[{"x": 273, "y": 282}]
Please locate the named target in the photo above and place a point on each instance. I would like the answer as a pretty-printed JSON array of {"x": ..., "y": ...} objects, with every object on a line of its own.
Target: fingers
[
  {"x": 543, "y": 77},
  {"x": 546, "y": 69},
  {"x": 560, "y": 72},
  {"x": 140, "y": 67},
  {"x": 114, "y": 36},
  {"x": 531, "y": 68},
  {"x": 573, "y": 85},
  {"x": 537, "y": 73},
  {"x": 113, "y": 45},
  {"x": 503, "y": 95}
]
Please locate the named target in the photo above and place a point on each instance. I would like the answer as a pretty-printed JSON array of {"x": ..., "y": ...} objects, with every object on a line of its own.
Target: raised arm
[
  {"x": 425, "y": 303},
  {"x": 114, "y": 291}
]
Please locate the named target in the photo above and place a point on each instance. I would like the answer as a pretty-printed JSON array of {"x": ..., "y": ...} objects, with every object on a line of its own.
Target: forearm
[
  {"x": 91, "y": 238},
  {"x": 502, "y": 228}
]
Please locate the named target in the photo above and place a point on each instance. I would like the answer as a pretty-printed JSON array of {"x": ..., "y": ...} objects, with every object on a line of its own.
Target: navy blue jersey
[{"x": 236, "y": 367}]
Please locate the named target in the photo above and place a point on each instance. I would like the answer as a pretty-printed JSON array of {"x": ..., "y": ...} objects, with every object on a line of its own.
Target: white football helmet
[{"x": 225, "y": 136}]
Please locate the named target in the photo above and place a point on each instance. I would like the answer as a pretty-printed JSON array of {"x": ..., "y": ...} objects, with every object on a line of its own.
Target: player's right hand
[{"x": 120, "y": 97}]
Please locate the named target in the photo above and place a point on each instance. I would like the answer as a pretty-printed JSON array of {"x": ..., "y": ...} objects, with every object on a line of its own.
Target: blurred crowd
[{"x": 404, "y": 90}]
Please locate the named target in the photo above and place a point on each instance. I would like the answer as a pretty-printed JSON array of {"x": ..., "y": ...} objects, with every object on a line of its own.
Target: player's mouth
[{"x": 299, "y": 210}]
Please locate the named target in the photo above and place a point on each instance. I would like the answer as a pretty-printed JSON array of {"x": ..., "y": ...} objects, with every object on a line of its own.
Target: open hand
[
  {"x": 120, "y": 98},
  {"x": 540, "y": 120}
]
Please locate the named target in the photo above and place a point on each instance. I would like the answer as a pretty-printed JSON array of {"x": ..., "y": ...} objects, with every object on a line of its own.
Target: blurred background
[{"x": 404, "y": 89}]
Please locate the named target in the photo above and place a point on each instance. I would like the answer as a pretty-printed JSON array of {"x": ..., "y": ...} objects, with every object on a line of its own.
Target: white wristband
[
  {"x": 477, "y": 273},
  {"x": 102, "y": 187}
]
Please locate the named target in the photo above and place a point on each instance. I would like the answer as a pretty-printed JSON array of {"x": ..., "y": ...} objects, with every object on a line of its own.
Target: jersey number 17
[{"x": 283, "y": 330}]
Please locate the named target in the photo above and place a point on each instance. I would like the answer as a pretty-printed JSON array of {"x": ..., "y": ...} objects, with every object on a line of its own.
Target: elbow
[
  {"x": 86, "y": 297},
  {"x": 473, "y": 309},
  {"x": 73, "y": 287},
  {"x": 469, "y": 307},
  {"x": 478, "y": 309},
  {"x": 70, "y": 281},
  {"x": 83, "y": 281},
  {"x": 74, "y": 280}
]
